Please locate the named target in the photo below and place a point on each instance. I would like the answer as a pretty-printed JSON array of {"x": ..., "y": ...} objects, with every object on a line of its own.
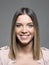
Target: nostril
[{"x": 24, "y": 32}]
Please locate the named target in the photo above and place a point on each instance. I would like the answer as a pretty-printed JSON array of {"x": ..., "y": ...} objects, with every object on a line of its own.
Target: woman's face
[{"x": 24, "y": 29}]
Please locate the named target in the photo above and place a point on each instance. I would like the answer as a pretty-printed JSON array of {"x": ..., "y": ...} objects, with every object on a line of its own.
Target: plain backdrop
[{"x": 9, "y": 7}]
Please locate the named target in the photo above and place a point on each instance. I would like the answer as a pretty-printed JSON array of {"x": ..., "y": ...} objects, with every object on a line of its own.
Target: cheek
[
  {"x": 32, "y": 31},
  {"x": 17, "y": 31}
]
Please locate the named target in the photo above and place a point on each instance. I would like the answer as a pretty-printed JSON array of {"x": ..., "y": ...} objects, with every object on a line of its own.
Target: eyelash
[
  {"x": 30, "y": 25},
  {"x": 21, "y": 25},
  {"x": 18, "y": 25}
]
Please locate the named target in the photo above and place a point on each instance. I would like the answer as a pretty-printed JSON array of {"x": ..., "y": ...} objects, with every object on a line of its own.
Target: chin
[{"x": 24, "y": 42}]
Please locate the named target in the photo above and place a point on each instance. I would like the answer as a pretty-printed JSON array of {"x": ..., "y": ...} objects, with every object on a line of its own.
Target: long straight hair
[{"x": 36, "y": 44}]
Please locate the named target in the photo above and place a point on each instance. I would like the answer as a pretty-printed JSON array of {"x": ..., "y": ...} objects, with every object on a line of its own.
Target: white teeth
[{"x": 24, "y": 37}]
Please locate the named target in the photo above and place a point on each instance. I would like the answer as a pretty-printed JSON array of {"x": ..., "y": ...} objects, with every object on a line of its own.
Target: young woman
[{"x": 25, "y": 41}]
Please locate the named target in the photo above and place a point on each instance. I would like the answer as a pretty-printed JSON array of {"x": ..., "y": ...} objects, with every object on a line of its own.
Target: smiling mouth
[{"x": 24, "y": 37}]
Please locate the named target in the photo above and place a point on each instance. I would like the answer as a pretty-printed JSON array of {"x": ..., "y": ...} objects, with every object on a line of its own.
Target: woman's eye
[
  {"x": 18, "y": 25},
  {"x": 30, "y": 25}
]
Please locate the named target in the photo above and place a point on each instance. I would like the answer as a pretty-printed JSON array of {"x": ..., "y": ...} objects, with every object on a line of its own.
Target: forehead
[{"x": 24, "y": 19}]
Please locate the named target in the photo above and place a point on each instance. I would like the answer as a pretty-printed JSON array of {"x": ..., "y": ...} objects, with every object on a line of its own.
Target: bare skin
[
  {"x": 25, "y": 31},
  {"x": 26, "y": 61}
]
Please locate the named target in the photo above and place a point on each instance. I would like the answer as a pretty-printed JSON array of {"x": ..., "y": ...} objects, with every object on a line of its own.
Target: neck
[{"x": 25, "y": 49}]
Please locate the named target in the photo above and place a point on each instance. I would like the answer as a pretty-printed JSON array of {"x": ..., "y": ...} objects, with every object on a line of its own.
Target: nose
[{"x": 24, "y": 30}]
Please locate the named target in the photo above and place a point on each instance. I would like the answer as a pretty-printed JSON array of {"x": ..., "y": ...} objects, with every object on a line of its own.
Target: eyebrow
[
  {"x": 27, "y": 23},
  {"x": 18, "y": 23}
]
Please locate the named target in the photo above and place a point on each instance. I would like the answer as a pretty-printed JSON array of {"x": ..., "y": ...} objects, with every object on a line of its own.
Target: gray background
[{"x": 9, "y": 7}]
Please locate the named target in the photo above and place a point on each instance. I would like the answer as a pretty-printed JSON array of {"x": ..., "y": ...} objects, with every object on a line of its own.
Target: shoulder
[
  {"x": 45, "y": 56},
  {"x": 4, "y": 54},
  {"x": 45, "y": 52},
  {"x": 4, "y": 48},
  {"x": 4, "y": 59},
  {"x": 4, "y": 51}
]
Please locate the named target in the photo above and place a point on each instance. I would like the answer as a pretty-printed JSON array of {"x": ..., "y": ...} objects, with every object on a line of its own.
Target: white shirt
[{"x": 4, "y": 60}]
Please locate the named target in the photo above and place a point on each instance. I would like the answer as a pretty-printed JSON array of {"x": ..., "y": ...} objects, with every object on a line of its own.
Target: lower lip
[{"x": 24, "y": 37}]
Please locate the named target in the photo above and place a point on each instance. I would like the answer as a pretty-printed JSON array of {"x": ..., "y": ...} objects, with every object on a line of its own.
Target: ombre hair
[{"x": 36, "y": 44}]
